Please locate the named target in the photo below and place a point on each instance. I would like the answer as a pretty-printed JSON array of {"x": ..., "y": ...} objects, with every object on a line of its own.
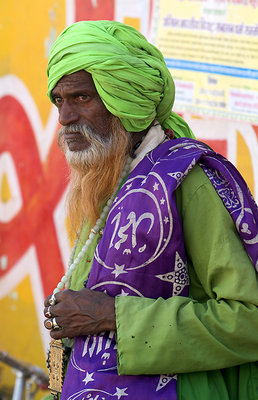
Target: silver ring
[
  {"x": 55, "y": 324},
  {"x": 52, "y": 300},
  {"x": 48, "y": 324},
  {"x": 48, "y": 313}
]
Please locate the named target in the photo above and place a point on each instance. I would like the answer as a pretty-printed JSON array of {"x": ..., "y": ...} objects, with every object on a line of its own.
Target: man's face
[{"x": 78, "y": 103}]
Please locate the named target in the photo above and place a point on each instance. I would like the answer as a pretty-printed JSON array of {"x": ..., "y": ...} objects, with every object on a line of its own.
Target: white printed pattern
[{"x": 127, "y": 233}]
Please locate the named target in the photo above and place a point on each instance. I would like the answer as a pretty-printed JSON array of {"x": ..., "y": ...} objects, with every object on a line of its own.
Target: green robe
[{"x": 211, "y": 338}]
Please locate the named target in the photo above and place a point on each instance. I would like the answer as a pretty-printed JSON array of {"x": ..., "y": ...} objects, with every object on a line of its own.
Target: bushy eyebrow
[
  {"x": 76, "y": 92},
  {"x": 53, "y": 94}
]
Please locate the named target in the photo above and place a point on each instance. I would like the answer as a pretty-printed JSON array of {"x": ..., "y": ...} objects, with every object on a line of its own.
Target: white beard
[
  {"x": 94, "y": 171},
  {"x": 99, "y": 146}
]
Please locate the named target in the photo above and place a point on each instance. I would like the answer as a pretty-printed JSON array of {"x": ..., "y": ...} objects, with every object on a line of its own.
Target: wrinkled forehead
[{"x": 80, "y": 80}]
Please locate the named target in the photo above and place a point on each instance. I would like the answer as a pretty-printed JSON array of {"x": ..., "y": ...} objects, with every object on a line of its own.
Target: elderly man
[{"x": 161, "y": 291}]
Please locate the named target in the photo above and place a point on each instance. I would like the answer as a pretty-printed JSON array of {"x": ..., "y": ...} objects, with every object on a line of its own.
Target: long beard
[{"x": 94, "y": 171}]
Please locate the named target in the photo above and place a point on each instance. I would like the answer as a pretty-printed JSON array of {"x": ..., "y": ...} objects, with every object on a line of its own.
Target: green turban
[{"x": 129, "y": 73}]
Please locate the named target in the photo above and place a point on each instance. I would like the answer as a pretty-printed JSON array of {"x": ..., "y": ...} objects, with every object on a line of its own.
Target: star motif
[
  {"x": 166, "y": 220},
  {"x": 120, "y": 392},
  {"x": 88, "y": 378},
  {"x": 164, "y": 380},
  {"x": 162, "y": 201},
  {"x": 128, "y": 186},
  {"x": 178, "y": 176},
  {"x": 123, "y": 293},
  {"x": 179, "y": 277},
  {"x": 156, "y": 186},
  {"x": 119, "y": 269}
]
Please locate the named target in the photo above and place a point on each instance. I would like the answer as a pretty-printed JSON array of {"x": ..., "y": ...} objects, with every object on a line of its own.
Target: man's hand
[{"x": 84, "y": 312}]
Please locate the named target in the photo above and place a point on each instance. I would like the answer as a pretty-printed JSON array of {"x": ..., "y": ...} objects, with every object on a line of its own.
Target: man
[{"x": 173, "y": 214}]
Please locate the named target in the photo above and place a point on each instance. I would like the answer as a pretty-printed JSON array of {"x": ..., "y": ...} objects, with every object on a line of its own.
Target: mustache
[
  {"x": 84, "y": 129},
  {"x": 90, "y": 134}
]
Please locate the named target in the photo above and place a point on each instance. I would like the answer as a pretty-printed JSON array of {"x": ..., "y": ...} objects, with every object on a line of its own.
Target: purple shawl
[{"x": 142, "y": 253}]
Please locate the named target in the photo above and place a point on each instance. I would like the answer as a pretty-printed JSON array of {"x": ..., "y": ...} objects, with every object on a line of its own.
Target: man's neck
[
  {"x": 137, "y": 137},
  {"x": 153, "y": 138}
]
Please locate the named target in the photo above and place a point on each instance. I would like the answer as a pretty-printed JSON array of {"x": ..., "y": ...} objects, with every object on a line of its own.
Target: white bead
[
  {"x": 64, "y": 279},
  {"x": 81, "y": 254},
  {"x": 91, "y": 236},
  {"x": 60, "y": 285},
  {"x": 88, "y": 242},
  {"x": 68, "y": 273},
  {"x": 103, "y": 215},
  {"x": 98, "y": 222},
  {"x": 109, "y": 203},
  {"x": 56, "y": 290},
  {"x": 67, "y": 285},
  {"x": 105, "y": 209},
  {"x": 72, "y": 268}
]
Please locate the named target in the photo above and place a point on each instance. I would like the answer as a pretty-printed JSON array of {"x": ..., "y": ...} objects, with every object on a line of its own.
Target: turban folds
[{"x": 129, "y": 73}]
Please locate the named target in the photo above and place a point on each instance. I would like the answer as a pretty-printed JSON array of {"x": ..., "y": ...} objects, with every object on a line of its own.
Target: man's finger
[{"x": 51, "y": 300}]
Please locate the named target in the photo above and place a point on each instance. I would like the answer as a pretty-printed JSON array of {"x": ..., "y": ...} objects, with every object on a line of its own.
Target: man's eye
[
  {"x": 58, "y": 101},
  {"x": 82, "y": 98}
]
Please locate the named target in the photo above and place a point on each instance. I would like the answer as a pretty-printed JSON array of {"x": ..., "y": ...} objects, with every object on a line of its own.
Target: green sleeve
[{"x": 216, "y": 327}]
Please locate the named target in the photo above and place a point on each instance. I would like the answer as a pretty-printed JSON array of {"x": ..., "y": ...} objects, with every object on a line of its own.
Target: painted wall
[{"x": 34, "y": 233}]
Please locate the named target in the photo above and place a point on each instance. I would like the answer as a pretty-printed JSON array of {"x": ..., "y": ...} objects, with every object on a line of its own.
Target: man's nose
[{"x": 67, "y": 114}]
